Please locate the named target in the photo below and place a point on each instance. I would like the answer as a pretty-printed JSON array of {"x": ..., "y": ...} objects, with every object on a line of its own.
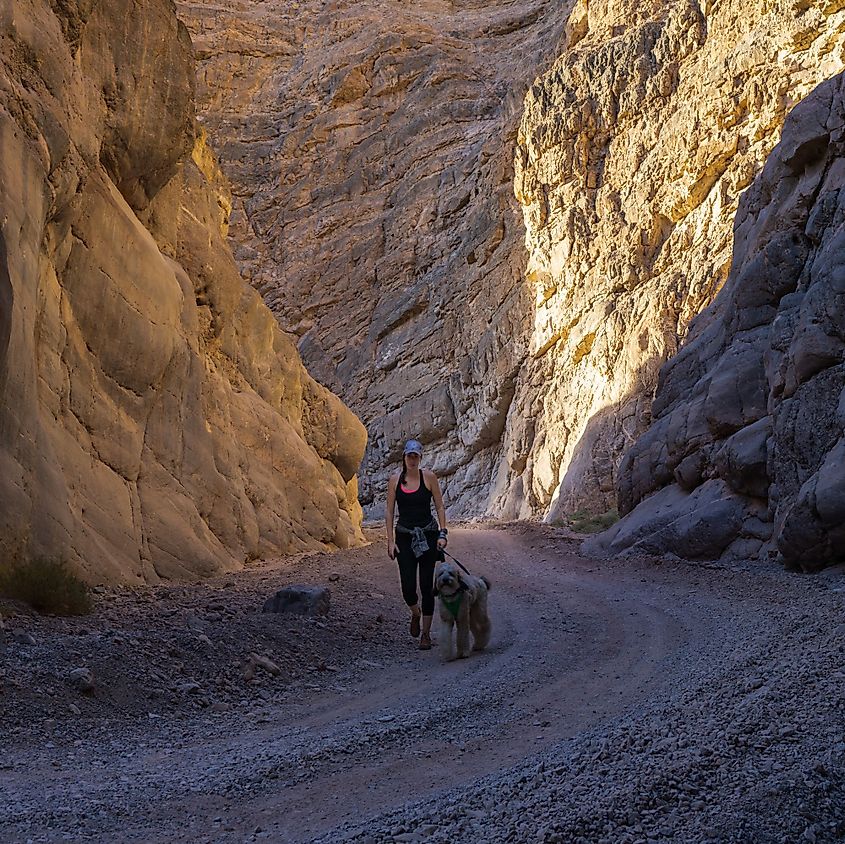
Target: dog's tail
[{"x": 486, "y": 582}]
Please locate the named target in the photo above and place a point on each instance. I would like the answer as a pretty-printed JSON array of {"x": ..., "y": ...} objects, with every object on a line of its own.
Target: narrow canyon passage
[
  {"x": 590, "y": 253},
  {"x": 581, "y": 649}
]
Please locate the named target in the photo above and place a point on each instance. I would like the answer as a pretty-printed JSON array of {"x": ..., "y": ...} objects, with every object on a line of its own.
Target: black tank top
[{"x": 414, "y": 507}]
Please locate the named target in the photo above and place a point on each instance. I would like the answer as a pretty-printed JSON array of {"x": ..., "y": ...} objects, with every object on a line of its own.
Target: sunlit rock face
[
  {"x": 490, "y": 223},
  {"x": 371, "y": 150},
  {"x": 746, "y": 455},
  {"x": 633, "y": 151},
  {"x": 154, "y": 420}
]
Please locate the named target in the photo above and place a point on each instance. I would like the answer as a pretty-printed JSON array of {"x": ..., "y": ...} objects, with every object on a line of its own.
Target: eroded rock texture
[
  {"x": 371, "y": 145},
  {"x": 632, "y": 154},
  {"x": 747, "y": 454},
  {"x": 154, "y": 421},
  {"x": 371, "y": 150}
]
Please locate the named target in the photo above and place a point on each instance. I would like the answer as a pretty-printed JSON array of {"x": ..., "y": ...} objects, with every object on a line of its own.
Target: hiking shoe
[
  {"x": 415, "y": 626},
  {"x": 425, "y": 642}
]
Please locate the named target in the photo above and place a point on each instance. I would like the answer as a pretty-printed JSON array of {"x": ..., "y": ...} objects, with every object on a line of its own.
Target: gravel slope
[{"x": 620, "y": 701}]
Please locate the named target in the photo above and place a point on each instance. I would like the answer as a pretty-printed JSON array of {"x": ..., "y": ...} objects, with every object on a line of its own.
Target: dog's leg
[
  {"x": 463, "y": 632},
  {"x": 480, "y": 623},
  {"x": 444, "y": 638},
  {"x": 480, "y": 632}
]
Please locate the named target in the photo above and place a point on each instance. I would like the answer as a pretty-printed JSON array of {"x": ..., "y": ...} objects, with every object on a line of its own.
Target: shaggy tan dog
[{"x": 462, "y": 599}]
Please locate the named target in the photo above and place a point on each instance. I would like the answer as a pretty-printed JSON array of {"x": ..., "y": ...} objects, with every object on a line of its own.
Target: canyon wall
[
  {"x": 154, "y": 420},
  {"x": 370, "y": 147},
  {"x": 489, "y": 224},
  {"x": 632, "y": 154},
  {"x": 746, "y": 456}
]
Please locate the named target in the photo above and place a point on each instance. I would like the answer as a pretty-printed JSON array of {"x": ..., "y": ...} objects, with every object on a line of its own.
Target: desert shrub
[
  {"x": 47, "y": 585},
  {"x": 581, "y": 521}
]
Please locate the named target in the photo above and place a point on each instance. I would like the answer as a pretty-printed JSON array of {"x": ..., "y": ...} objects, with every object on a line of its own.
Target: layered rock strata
[
  {"x": 154, "y": 420},
  {"x": 370, "y": 146},
  {"x": 746, "y": 454}
]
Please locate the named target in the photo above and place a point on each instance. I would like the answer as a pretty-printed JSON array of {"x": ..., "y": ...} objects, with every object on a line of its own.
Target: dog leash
[{"x": 456, "y": 560}]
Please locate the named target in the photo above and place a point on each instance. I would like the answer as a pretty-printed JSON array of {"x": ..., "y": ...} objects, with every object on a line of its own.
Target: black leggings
[{"x": 408, "y": 565}]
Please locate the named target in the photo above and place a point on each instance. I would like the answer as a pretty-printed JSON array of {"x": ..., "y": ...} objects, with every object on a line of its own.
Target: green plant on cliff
[
  {"x": 47, "y": 585},
  {"x": 582, "y": 521}
]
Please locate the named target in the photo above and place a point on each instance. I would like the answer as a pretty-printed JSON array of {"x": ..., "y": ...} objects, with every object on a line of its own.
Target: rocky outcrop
[
  {"x": 632, "y": 154},
  {"x": 371, "y": 147},
  {"x": 746, "y": 454},
  {"x": 154, "y": 421}
]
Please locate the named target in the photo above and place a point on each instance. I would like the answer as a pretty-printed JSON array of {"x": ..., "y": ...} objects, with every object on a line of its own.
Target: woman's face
[{"x": 412, "y": 460}]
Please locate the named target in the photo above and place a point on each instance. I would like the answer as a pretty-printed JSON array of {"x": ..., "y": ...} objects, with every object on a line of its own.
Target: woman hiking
[{"x": 418, "y": 537}]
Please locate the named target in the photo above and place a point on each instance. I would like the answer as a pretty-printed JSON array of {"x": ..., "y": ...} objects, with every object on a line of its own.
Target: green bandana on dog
[{"x": 453, "y": 604}]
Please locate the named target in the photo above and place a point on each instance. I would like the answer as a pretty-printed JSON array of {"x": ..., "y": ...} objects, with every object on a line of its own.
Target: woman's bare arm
[
  {"x": 434, "y": 485},
  {"x": 389, "y": 509}
]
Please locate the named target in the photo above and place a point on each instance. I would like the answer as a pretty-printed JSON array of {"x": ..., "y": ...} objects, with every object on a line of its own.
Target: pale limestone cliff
[
  {"x": 154, "y": 420},
  {"x": 746, "y": 456},
  {"x": 513, "y": 318}
]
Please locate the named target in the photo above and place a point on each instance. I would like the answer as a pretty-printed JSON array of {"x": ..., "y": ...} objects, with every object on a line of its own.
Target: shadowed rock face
[
  {"x": 746, "y": 454},
  {"x": 371, "y": 149},
  {"x": 154, "y": 421},
  {"x": 632, "y": 154},
  {"x": 490, "y": 223}
]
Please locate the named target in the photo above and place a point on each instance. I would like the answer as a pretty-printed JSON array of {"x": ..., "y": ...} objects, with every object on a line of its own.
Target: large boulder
[{"x": 299, "y": 600}]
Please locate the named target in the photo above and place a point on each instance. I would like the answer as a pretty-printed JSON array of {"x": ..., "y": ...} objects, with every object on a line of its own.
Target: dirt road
[{"x": 397, "y": 746}]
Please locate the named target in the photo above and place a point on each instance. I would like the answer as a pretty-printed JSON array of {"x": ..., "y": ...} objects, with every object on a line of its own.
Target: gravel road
[{"x": 620, "y": 701}]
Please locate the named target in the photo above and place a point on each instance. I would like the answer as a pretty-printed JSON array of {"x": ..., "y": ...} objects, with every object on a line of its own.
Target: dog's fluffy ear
[
  {"x": 486, "y": 582},
  {"x": 462, "y": 584}
]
